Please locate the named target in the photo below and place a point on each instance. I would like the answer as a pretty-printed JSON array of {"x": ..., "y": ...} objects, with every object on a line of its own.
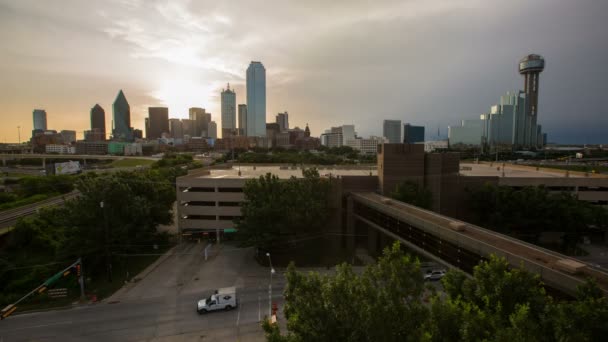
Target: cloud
[{"x": 328, "y": 62}]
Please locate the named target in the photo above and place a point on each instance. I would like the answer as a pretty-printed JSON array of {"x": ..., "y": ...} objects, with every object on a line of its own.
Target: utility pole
[
  {"x": 81, "y": 279},
  {"x": 270, "y": 287},
  {"x": 107, "y": 240},
  {"x": 19, "y": 134}
]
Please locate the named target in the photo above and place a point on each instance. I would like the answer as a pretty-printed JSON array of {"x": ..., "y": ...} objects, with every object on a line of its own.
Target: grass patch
[{"x": 131, "y": 162}]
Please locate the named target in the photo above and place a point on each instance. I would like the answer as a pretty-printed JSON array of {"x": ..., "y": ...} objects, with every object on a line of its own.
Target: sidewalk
[{"x": 128, "y": 286}]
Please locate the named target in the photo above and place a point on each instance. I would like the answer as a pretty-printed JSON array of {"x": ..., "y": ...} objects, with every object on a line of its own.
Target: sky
[{"x": 328, "y": 63}]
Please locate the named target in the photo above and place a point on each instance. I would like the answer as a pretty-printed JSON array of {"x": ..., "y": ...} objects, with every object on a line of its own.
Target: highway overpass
[{"x": 461, "y": 245}]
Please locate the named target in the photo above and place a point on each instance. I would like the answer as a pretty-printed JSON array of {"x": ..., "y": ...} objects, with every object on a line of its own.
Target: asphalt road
[{"x": 162, "y": 306}]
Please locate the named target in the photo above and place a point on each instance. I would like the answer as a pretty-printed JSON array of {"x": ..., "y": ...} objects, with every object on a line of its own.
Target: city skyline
[{"x": 158, "y": 54}]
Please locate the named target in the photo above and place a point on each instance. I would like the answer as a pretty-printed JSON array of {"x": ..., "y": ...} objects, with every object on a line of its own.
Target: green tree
[
  {"x": 414, "y": 194},
  {"x": 276, "y": 211},
  {"x": 382, "y": 304}
]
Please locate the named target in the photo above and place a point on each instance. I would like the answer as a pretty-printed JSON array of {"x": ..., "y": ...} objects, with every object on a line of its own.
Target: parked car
[
  {"x": 434, "y": 275},
  {"x": 222, "y": 299}
]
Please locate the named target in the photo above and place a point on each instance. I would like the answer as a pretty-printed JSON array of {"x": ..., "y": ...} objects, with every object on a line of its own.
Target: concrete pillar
[
  {"x": 217, "y": 236},
  {"x": 372, "y": 241},
  {"x": 44, "y": 163},
  {"x": 350, "y": 225}
]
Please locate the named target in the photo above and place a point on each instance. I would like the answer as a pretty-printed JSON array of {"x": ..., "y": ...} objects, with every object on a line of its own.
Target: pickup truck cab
[{"x": 221, "y": 299}]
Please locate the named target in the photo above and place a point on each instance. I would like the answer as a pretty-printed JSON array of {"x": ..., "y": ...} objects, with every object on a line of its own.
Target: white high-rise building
[
  {"x": 228, "y": 112},
  {"x": 256, "y": 100},
  {"x": 40, "y": 119},
  {"x": 338, "y": 136}
]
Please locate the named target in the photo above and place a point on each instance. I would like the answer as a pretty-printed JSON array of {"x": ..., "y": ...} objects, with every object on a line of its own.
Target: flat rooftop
[
  {"x": 515, "y": 171},
  {"x": 250, "y": 171}
]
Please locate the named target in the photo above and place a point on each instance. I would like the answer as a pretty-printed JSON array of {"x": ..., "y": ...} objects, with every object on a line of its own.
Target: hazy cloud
[{"x": 328, "y": 62}]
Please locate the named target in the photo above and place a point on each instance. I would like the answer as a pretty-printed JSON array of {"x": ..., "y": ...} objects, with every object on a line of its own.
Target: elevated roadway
[{"x": 461, "y": 245}]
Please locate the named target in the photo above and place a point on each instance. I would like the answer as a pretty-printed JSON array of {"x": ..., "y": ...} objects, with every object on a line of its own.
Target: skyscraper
[
  {"x": 243, "y": 119},
  {"x": 391, "y": 130},
  {"x": 121, "y": 112},
  {"x": 256, "y": 100},
  {"x": 202, "y": 120},
  {"x": 228, "y": 112},
  {"x": 176, "y": 128},
  {"x": 98, "y": 121},
  {"x": 283, "y": 120},
  {"x": 212, "y": 130},
  {"x": 413, "y": 134},
  {"x": 39, "y": 119},
  {"x": 158, "y": 122}
]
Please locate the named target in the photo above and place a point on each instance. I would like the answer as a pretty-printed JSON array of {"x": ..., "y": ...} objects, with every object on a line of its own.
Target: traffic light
[{"x": 78, "y": 272}]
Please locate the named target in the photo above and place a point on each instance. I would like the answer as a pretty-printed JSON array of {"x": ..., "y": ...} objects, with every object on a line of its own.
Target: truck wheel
[
  {"x": 228, "y": 307},
  {"x": 203, "y": 311}
]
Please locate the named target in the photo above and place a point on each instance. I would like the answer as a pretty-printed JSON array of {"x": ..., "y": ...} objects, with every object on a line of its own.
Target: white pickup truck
[{"x": 222, "y": 299}]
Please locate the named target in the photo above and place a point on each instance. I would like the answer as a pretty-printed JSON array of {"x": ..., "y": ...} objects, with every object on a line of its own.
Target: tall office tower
[
  {"x": 228, "y": 112},
  {"x": 530, "y": 67},
  {"x": 158, "y": 122},
  {"x": 39, "y": 119},
  {"x": 98, "y": 121},
  {"x": 413, "y": 134},
  {"x": 121, "y": 112},
  {"x": 243, "y": 119},
  {"x": 283, "y": 120},
  {"x": 212, "y": 130},
  {"x": 199, "y": 116},
  {"x": 189, "y": 127},
  {"x": 256, "y": 100},
  {"x": 176, "y": 128},
  {"x": 391, "y": 129}
]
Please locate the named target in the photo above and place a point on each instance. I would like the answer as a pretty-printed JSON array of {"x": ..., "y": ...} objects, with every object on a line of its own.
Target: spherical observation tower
[{"x": 531, "y": 66}]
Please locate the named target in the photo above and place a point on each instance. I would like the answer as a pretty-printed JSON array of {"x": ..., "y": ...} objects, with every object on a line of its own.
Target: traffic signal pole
[{"x": 9, "y": 309}]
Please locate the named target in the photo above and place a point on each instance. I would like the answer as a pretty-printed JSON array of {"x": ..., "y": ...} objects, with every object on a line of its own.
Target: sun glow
[{"x": 179, "y": 95}]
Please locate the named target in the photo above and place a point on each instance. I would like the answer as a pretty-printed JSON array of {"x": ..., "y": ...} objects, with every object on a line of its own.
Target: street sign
[{"x": 58, "y": 293}]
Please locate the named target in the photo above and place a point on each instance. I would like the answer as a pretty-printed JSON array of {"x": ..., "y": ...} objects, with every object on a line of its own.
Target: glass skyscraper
[
  {"x": 228, "y": 112},
  {"x": 256, "y": 100},
  {"x": 121, "y": 118},
  {"x": 39, "y": 119}
]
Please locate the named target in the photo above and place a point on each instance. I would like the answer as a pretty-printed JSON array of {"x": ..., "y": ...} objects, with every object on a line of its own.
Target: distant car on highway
[{"x": 434, "y": 275}]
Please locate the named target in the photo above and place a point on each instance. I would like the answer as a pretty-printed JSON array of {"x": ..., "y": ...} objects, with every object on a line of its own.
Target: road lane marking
[
  {"x": 259, "y": 309},
  {"x": 42, "y": 325},
  {"x": 238, "y": 315}
]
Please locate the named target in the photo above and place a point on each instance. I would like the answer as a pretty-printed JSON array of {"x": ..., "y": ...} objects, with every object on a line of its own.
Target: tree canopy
[
  {"x": 414, "y": 194},
  {"x": 135, "y": 203},
  {"x": 385, "y": 303},
  {"x": 276, "y": 211},
  {"x": 533, "y": 210}
]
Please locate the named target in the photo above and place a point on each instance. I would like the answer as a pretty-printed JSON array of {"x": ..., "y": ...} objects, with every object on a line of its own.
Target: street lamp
[{"x": 270, "y": 287}]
